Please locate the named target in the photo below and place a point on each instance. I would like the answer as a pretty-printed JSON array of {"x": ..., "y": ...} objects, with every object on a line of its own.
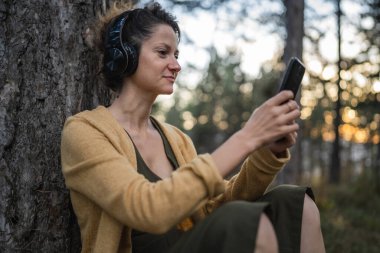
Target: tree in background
[
  {"x": 294, "y": 23},
  {"x": 363, "y": 87},
  {"x": 366, "y": 64},
  {"x": 48, "y": 72},
  {"x": 359, "y": 74},
  {"x": 335, "y": 164}
]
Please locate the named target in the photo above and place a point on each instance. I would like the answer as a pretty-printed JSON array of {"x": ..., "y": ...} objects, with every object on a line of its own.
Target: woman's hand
[
  {"x": 280, "y": 146},
  {"x": 273, "y": 124},
  {"x": 272, "y": 121}
]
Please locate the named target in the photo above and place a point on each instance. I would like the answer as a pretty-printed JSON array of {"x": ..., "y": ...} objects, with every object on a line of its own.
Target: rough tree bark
[{"x": 47, "y": 73}]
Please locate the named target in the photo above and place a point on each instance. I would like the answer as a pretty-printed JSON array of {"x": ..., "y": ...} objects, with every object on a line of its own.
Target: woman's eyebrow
[{"x": 167, "y": 46}]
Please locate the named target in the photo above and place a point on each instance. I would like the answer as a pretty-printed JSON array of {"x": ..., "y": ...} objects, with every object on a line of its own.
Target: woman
[{"x": 137, "y": 184}]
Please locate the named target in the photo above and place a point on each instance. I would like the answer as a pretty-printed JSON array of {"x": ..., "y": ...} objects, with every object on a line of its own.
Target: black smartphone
[{"x": 293, "y": 76}]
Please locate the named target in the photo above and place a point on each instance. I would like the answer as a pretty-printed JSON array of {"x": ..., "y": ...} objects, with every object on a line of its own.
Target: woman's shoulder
[
  {"x": 93, "y": 114},
  {"x": 98, "y": 115},
  {"x": 98, "y": 118}
]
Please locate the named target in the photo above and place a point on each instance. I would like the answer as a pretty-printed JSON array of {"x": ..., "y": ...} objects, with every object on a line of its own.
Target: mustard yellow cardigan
[{"x": 109, "y": 197}]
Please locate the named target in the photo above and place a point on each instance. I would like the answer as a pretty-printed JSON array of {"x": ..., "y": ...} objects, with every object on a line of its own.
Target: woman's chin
[{"x": 167, "y": 91}]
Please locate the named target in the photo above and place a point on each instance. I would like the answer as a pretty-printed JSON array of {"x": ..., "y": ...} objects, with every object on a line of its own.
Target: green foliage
[{"x": 350, "y": 217}]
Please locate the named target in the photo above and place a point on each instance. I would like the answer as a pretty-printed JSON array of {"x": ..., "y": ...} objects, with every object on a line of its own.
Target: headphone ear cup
[
  {"x": 131, "y": 59},
  {"x": 120, "y": 58},
  {"x": 114, "y": 61}
]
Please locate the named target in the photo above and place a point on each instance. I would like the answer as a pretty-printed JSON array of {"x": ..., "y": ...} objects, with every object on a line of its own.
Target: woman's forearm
[{"x": 231, "y": 153}]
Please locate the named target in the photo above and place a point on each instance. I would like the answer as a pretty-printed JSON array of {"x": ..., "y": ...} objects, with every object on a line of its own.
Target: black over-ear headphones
[{"x": 119, "y": 58}]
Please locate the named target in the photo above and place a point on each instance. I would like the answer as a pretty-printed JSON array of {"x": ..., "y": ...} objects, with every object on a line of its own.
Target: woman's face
[{"x": 158, "y": 66}]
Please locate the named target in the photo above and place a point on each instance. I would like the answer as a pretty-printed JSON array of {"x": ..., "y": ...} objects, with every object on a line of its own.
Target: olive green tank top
[{"x": 143, "y": 242}]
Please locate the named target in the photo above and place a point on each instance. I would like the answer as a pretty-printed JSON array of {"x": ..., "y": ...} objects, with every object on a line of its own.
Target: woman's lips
[{"x": 170, "y": 78}]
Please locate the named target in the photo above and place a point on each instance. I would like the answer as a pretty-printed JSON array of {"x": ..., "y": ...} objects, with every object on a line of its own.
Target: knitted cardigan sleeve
[{"x": 256, "y": 174}]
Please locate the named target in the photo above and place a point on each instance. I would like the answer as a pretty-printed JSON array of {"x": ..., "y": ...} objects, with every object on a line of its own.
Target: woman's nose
[{"x": 174, "y": 65}]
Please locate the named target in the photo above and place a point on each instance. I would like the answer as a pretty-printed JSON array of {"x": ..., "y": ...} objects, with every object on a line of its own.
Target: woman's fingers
[
  {"x": 290, "y": 116},
  {"x": 284, "y": 143},
  {"x": 282, "y": 103},
  {"x": 288, "y": 128},
  {"x": 288, "y": 107},
  {"x": 291, "y": 140},
  {"x": 280, "y": 98},
  {"x": 274, "y": 120}
]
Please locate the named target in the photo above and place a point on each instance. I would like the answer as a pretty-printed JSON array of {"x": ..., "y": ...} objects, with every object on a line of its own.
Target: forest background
[{"x": 233, "y": 54}]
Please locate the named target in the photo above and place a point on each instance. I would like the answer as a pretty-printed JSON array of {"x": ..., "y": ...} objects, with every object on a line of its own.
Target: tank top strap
[
  {"x": 168, "y": 149},
  {"x": 143, "y": 168}
]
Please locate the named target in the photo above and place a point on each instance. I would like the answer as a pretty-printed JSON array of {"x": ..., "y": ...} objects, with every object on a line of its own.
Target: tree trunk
[
  {"x": 335, "y": 155},
  {"x": 47, "y": 73},
  {"x": 294, "y": 21}
]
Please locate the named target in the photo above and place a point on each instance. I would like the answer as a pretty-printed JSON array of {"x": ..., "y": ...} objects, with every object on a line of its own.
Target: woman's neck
[{"x": 132, "y": 111}]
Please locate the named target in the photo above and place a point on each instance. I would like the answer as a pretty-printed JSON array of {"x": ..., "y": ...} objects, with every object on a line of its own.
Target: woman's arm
[
  {"x": 273, "y": 120},
  {"x": 263, "y": 145}
]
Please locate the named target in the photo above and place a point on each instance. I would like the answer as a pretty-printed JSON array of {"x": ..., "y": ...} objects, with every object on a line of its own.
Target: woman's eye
[{"x": 162, "y": 52}]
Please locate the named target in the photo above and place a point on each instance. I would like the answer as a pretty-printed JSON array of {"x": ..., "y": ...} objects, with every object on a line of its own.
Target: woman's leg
[
  {"x": 233, "y": 227},
  {"x": 311, "y": 234},
  {"x": 285, "y": 212},
  {"x": 266, "y": 240}
]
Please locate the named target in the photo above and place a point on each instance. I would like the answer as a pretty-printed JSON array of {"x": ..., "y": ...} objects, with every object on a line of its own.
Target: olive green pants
[{"x": 232, "y": 228}]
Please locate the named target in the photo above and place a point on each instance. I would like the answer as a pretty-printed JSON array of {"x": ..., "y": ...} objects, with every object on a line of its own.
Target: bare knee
[
  {"x": 266, "y": 241},
  {"x": 311, "y": 234},
  {"x": 310, "y": 215}
]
